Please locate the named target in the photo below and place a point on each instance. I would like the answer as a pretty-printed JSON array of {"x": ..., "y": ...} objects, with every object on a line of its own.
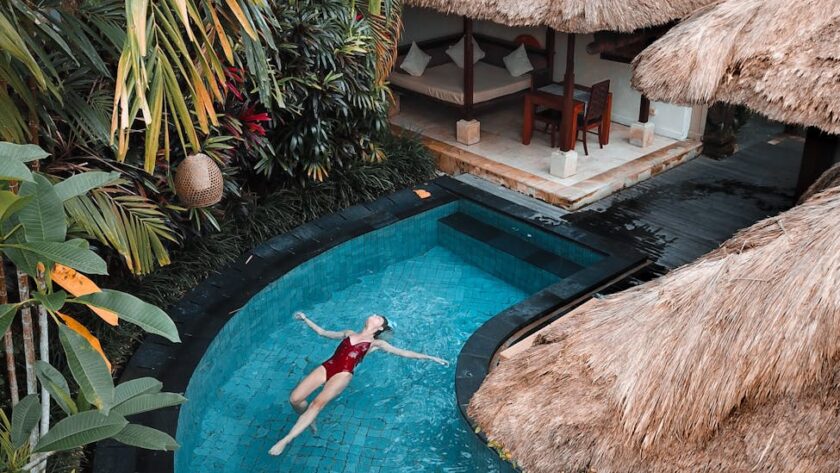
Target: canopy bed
[{"x": 480, "y": 82}]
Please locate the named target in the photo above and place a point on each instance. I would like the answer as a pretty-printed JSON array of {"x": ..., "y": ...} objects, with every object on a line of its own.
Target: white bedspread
[{"x": 446, "y": 82}]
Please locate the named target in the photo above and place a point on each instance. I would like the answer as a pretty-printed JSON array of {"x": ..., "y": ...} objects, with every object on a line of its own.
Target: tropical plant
[
  {"x": 34, "y": 237},
  {"x": 385, "y": 17},
  {"x": 334, "y": 110},
  {"x": 56, "y": 89},
  {"x": 94, "y": 80},
  {"x": 172, "y": 68}
]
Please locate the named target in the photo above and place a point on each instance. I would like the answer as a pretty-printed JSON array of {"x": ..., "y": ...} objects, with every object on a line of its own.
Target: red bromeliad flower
[
  {"x": 252, "y": 120},
  {"x": 235, "y": 76}
]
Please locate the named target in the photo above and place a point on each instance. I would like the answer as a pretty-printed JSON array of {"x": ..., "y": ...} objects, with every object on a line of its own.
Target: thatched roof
[
  {"x": 779, "y": 58},
  {"x": 572, "y": 16},
  {"x": 730, "y": 363},
  {"x": 829, "y": 178}
]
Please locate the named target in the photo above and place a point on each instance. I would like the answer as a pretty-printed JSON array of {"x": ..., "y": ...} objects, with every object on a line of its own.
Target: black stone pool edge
[{"x": 202, "y": 313}]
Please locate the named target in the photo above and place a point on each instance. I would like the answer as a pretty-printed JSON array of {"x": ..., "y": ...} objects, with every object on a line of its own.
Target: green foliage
[
  {"x": 88, "y": 368},
  {"x": 12, "y": 457},
  {"x": 287, "y": 207},
  {"x": 25, "y": 417},
  {"x": 7, "y": 315},
  {"x": 133, "y": 226},
  {"x": 132, "y": 309},
  {"x": 171, "y": 67},
  {"x": 334, "y": 110},
  {"x": 57, "y": 386},
  {"x": 82, "y": 183},
  {"x": 81, "y": 429},
  {"x": 35, "y": 239},
  {"x": 146, "y": 437},
  {"x": 136, "y": 387},
  {"x": 148, "y": 402},
  {"x": 62, "y": 47}
]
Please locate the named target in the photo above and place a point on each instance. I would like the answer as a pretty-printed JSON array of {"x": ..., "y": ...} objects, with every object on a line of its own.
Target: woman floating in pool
[{"x": 335, "y": 374}]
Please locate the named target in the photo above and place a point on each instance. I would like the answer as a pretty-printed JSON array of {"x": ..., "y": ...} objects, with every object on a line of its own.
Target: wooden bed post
[
  {"x": 468, "y": 69},
  {"x": 644, "y": 109},
  {"x": 550, "y": 48},
  {"x": 817, "y": 156},
  {"x": 567, "y": 118}
]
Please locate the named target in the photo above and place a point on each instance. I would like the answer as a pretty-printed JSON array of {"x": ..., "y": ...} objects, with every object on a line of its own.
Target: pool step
[{"x": 511, "y": 244}]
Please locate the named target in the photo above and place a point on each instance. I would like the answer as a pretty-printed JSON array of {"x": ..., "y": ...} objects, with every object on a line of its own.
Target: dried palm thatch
[
  {"x": 778, "y": 58},
  {"x": 829, "y": 178},
  {"x": 731, "y": 363},
  {"x": 571, "y": 16}
]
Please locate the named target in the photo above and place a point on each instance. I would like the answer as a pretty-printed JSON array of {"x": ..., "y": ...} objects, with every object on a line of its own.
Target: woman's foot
[{"x": 278, "y": 448}]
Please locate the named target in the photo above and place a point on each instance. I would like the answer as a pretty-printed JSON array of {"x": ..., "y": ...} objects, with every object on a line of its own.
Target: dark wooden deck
[{"x": 681, "y": 214}]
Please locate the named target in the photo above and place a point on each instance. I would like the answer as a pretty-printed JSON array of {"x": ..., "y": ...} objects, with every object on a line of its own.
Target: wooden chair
[
  {"x": 594, "y": 114},
  {"x": 551, "y": 118}
]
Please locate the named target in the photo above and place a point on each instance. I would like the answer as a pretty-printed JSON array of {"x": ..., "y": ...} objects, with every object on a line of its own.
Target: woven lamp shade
[{"x": 198, "y": 181}]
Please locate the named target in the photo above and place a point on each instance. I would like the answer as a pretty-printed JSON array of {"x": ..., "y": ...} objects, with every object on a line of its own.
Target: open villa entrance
[{"x": 510, "y": 129}]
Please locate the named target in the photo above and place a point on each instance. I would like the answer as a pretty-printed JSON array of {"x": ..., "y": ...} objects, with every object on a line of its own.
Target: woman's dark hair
[{"x": 385, "y": 328}]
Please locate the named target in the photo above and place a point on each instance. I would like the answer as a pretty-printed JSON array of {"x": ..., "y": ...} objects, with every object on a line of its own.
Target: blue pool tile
[{"x": 397, "y": 415}]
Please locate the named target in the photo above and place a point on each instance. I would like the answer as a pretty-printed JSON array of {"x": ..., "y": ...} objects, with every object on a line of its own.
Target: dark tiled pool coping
[{"x": 202, "y": 313}]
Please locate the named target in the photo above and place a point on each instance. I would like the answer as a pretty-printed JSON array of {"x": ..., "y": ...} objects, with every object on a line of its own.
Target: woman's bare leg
[
  {"x": 302, "y": 391},
  {"x": 331, "y": 390}
]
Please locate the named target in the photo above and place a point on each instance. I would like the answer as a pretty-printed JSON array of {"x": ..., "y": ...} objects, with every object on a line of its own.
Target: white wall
[
  {"x": 422, "y": 23},
  {"x": 670, "y": 120}
]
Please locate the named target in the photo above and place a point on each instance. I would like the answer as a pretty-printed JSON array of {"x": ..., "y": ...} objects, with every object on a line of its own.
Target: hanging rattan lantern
[{"x": 198, "y": 181}]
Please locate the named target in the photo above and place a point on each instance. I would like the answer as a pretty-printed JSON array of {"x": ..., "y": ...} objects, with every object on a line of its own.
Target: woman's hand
[
  {"x": 299, "y": 315},
  {"x": 439, "y": 361}
]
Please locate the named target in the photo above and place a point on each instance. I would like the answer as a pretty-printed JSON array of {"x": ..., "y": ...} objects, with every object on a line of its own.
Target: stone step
[{"x": 511, "y": 244}]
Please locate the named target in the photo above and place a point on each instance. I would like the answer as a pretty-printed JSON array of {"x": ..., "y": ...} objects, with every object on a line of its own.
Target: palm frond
[
  {"x": 131, "y": 225},
  {"x": 171, "y": 69},
  {"x": 385, "y": 19}
]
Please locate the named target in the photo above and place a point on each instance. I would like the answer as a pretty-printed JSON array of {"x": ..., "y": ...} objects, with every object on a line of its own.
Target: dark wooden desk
[
  {"x": 554, "y": 101},
  {"x": 534, "y": 98}
]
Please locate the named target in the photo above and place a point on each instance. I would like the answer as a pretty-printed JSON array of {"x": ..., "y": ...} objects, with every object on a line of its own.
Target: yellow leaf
[
  {"x": 182, "y": 13},
  {"x": 79, "y": 285},
  {"x": 137, "y": 11},
  {"x": 75, "y": 326},
  {"x": 223, "y": 39},
  {"x": 240, "y": 15}
]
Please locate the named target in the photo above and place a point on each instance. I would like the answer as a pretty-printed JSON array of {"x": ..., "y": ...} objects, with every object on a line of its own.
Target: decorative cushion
[
  {"x": 517, "y": 62},
  {"x": 456, "y": 52},
  {"x": 415, "y": 61}
]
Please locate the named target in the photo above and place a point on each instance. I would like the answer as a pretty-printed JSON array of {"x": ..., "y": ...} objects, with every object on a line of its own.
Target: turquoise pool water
[{"x": 436, "y": 286}]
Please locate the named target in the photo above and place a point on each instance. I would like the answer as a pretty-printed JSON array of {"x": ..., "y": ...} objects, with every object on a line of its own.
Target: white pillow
[
  {"x": 415, "y": 61},
  {"x": 456, "y": 52},
  {"x": 517, "y": 62}
]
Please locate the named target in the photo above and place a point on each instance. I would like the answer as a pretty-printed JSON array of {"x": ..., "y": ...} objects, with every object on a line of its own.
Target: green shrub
[
  {"x": 287, "y": 207},
  {"x": 334, "y": 111}
]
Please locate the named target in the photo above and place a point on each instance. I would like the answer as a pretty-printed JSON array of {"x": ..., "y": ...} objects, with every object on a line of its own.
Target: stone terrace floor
[{"x": 683, "y": 213}]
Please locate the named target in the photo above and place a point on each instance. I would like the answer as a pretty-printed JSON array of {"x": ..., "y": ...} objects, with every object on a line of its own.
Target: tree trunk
[
  {"x": 28, "y": 343},
  {"x": 8, "y": 340},
  {"x": 44, "y": 334},
  {"x": 34, "y": 130}
]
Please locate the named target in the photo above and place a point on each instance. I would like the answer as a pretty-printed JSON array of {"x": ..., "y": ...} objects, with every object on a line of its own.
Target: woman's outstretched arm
[
  {"x": 324, "y": 333},
  {"x": 387, "y": 347}
]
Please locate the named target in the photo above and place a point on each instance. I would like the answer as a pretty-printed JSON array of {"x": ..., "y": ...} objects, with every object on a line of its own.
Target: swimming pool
[
  {"x": 436, "y": 281},
  {"x": 444, "y": 261}
]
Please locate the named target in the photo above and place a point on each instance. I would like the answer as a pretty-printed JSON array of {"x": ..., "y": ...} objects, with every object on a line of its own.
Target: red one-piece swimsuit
[{"x": 346, "y": 357}]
